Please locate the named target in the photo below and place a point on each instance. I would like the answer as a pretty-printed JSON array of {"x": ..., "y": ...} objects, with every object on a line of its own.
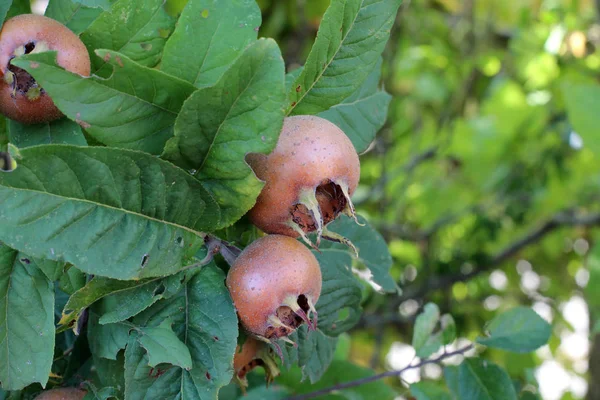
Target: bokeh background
[{"x": 481, "y": 181}]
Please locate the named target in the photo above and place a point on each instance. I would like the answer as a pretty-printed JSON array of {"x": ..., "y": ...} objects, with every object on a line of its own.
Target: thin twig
[
  {"x": 559, "y": 220},
  {"x": 368, "y": 379}
]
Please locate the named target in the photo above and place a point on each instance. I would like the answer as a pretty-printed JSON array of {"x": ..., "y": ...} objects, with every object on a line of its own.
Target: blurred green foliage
[{"x": 480, "y": 150}]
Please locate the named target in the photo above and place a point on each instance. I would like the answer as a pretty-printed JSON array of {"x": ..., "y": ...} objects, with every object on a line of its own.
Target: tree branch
[
  {"x": 368, "y": 379},
  {"x": 561, "y": 219}
]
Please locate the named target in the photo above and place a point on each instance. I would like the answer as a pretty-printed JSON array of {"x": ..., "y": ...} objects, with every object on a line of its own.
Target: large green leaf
[
  {"x": 26, "y": 321},
  {"x": 349, "y": 43},
  {"x": 75, "y": 15},
  {"x": 204, "y": 319},
  {"x": 210, "y": 35},
  {"x": 339, "y": 304},
  {"x": 520, "y": 330},
  {"x": 581, "y": 101},
  {"x": 137, "y": 29},
  {"x": 363, "y": 113},
  {"x": 61, "y": 131},
  {"x": 135, "y": 108},
  {"x": 373, "y": 252},
  {"x": 483, "y": 380},
  {"x": 313, "y": 353},
  {"x": 219, "y": 125},
  {"x": 115, "y": 213}
]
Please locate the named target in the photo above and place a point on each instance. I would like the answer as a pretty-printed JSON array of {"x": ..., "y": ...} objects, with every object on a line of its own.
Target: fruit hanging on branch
[
  {"x": 253, "y": 353},
  {"x": 21, "y": 98},
  {"x": 275, "y": 283},
  {"x": 309, "y": 179}
]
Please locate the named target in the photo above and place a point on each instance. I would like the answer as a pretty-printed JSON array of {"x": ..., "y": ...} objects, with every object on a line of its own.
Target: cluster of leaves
[{"x": 110, "y": 207}]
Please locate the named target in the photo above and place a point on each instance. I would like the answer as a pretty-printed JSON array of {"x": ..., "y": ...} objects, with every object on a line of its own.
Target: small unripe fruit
[
  {"x": 62, "y": 394},
  {"x": 274, "y": 284},
  {"x": 253, "y": 354},
  {"x": 21, "y": 98},
  {"x": 309, "y": 179}
]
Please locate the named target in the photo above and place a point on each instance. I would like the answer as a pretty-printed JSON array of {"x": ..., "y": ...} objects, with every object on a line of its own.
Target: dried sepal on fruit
[
  {"x": 252, "y": 354},
  {"x": 21, "y": 98},
  {"x": 309, "y": 179},
  {"x": 275, "y": 283}
]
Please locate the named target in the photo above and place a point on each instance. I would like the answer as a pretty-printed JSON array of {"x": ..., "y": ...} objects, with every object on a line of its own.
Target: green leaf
[
  {"x": 424, "y": 327},
  {"x": 448, "y": 329},
  {"x": 106, "y": 340},
  {"x": 372, "y": 249},
  {"x": 115, "y": 213},
  {"x": 362, "y": 114},
  {"x": 581, "y": 101},
  {"x": 426, "y": 390},
  {"x": 204, "y": 319},
  {"x": 483, "y": 380},
  {"x": 61, "y": 131},
  {"x": 339, "y": 304},
  {"x": 267, "y": 393},
  {"x": 72, "y": 280},
  {"x": 76, "y": 16},
  {"x": 520, "y": 330},
  {"x": 104, "y": 393},
  {"x": 349, "y": 44},
  {"x": 26, "y": 322},
  {"x": 341, "y": 372},
  {"x": 99, "y": 287},
  {"x": 219, "y": 125},
  {"x": 111, "y": 372},
  {"x": 4, "y": 7},
  {"x": 136, "y": 299},
  {"x": 451, "y": 376},
  {"x": 18, "y": 7},
  {"x": 138, "y": 29},
  {"x": 52, "y": 269},
  {"x": 209, "y": 37},
  {"x": 135, "y": 108},
  {"x": 313, "y": 354},
  {"x": 163, "y": 346}
]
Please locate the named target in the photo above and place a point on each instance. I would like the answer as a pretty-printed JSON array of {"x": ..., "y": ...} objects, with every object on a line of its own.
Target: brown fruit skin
[
  {"x": 310, "y": 151},
  {"x": 71, "y": 55},
  {"x": 62, "y": 394},
  {"x": 265, "y": 273}
]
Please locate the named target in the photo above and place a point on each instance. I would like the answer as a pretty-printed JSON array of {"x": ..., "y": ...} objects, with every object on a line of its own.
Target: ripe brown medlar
[
  {"x": 275, "y": 283},
  {"x": 21, "y": 98},
  {"x": 309, "y": 179}
]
